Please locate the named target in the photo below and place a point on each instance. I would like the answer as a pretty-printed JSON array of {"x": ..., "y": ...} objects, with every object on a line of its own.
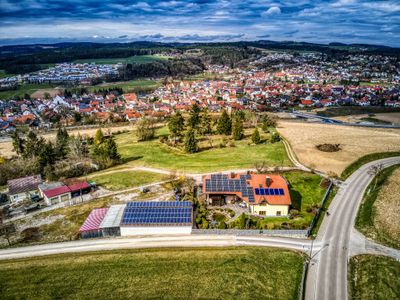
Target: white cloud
[{"x": 273, "y": 10}]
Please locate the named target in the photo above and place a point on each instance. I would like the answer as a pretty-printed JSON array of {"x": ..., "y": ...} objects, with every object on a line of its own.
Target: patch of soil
[{"x": 329, "y": 147}]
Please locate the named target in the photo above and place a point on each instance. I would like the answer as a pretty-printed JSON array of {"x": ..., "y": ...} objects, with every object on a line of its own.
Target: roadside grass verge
[
  {"x": 373, "y": 277},
  {"x": 175, "y": 273},
  {"x": 366, "y": 159},
  {"x": 126, "y": 179},
  {"x": 238, "y": 155},
  {"x": 367, "y": 217},
  {"x": 376, "y": 121},
  {"x": 324, "y": 209},
  {"x": 354, "y": 110}
]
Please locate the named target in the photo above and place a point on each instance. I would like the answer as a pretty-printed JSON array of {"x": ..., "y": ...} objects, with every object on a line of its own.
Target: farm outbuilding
[
  {"x": 140, "y": 218},
  {"x": 157, "y": 218}
]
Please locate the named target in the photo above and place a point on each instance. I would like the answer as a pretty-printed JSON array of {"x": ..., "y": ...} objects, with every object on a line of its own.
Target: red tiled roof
[
  {"x": 79, "y": 186},
  {"x": 57, "y": 191},
  {"x": 259, "y": 181}
]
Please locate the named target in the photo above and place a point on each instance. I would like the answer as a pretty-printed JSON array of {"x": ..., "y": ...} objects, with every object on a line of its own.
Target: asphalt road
[
  {"x": 303, "y": 245},
  {"x": 327, "y": 276}
]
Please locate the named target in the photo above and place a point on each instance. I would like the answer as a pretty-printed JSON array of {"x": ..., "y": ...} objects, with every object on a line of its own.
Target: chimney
[{"x": 268, "y": 181}]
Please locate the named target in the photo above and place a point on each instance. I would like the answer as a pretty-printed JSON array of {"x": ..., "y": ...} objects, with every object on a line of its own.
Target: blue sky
[{"x": 348, "y": 21}]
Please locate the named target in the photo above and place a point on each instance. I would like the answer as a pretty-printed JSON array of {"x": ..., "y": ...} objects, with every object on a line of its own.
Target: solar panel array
[
  {"x": 176, "y": 213},
  {"x": 222, "y": 183},
  {"x": 269, "y": 192}
]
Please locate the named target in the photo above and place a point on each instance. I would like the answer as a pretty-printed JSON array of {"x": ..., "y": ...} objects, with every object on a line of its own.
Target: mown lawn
[
  {"x": 240, "y": 156},
  {"x": 137, "y": 59},
  {"x": 126, "y": 179},
  {"x": 199, "y": 273},
  {"x": 374, "y": 278}
]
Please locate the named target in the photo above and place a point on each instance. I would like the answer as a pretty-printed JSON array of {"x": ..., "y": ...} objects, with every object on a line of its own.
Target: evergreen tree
[
  {"x": 62, "y": 143},
  {"x": 33, "y": 145},
  {"x": 205, "y": 122},
  {"x": 224, "y": 125},
  {"x": 176, "y": 125},
  {"x": 18, "y": 143},
  {"x": 194, "y": 116},
  {"x": 111, "y": 150},
  {"x": 237, "y": 128},
  {"x": 47, "y": 155},
  {"x": 145, "y": 129},
  {"x": 99, "y": 137},
  {"x": 191, "y": 141},
  {"x": 275, "y": 137},
  {"x": 255, "y": 137}
]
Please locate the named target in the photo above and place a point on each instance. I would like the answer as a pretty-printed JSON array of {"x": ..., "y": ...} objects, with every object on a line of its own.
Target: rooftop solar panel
[{"x": 145, "y": 213}]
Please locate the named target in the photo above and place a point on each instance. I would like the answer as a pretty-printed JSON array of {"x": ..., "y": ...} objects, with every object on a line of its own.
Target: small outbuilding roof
[
  {"x": 94, "y": 220},
  {"x": 25, "y": 184},
  {"x": 113, "y": 217}
]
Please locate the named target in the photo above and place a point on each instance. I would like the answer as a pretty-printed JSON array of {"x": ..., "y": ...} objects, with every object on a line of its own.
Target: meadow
[
  {"x": 238, "y": 155},
  {"x": 374, "y": 277},
  {"x": 176, "y": 273},
  {"x": 378, "y": 217}
]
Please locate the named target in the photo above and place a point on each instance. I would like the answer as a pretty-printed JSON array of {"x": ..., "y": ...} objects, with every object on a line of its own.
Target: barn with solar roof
[
  {"x": 263, "y": 194},
  {"x": 140, "y": 218},
  {"x": 156, "y": 218}
]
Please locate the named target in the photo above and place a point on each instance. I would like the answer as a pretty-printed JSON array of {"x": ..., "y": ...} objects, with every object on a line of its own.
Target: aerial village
[{"x": 305, "y": 81}]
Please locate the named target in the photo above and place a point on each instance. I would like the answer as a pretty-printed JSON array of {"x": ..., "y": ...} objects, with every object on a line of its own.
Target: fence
[{"x": 265, "y": 232}]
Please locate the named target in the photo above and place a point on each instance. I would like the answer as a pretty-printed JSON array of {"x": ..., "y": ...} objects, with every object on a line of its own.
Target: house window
[
  {"x": 278, "y": 213},
  {"x": 261, "y": 213}
]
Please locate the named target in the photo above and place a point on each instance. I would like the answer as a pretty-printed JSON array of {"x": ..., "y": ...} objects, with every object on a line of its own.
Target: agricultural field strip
[{"x": 151, "y": 242}]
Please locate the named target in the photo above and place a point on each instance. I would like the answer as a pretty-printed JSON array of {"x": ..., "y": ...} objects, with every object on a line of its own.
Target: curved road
[{"x": 327, "y": 275}]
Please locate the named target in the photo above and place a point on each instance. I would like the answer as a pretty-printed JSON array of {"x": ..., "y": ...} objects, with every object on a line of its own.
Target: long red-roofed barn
[{"x": 263, "y": 194}]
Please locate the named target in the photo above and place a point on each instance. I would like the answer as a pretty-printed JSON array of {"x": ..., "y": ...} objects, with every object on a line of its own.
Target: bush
[
  {"x": 275, "y": 137},
  {"x": 222, "y": 225}
]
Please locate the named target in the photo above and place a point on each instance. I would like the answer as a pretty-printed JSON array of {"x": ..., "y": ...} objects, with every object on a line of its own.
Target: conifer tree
[
  {"x": 191, "y": 141},
  {"x": 255, "y": 137},
  {"x": 176, "y": 125},
  {"x": 205, "y": 122},
  {"x": 224, "y": 125},
  {"x": 237, "y": 128}
]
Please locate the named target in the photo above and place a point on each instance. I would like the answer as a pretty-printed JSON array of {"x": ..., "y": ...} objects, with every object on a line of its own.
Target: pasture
[{"x": 175, "y": 273}]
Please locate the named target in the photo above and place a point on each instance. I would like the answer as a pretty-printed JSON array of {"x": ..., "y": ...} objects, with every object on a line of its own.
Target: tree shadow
[
  {"x": 296, "y": 199},
  {"x": 129, "y": 159}
]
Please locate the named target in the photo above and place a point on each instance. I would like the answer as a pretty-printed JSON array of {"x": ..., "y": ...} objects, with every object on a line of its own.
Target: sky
[{"x": 346, "y": 21}]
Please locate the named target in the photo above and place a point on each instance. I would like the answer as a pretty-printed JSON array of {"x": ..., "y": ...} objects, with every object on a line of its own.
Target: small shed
[{"x": 91, "y": 226}]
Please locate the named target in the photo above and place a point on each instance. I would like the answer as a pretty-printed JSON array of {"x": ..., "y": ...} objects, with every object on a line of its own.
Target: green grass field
[
  {"x": 374, "y": 278},
  {"x": 128, "y": 86},
  {"x": 138, "y": 59},
  {"x": 241, "y": 156},
  {"x": 127, "y": 179},
  {"x": 366, "y": 214},
  {"x": 199, "y": 273},
  {"x": 23, "y": 89},
  {"x": 3, "y": 74},
  {"x": 364, "y": 160}
]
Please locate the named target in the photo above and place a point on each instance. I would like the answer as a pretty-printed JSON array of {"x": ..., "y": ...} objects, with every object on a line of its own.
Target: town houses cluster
[{"x": 273, "y": 81}]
